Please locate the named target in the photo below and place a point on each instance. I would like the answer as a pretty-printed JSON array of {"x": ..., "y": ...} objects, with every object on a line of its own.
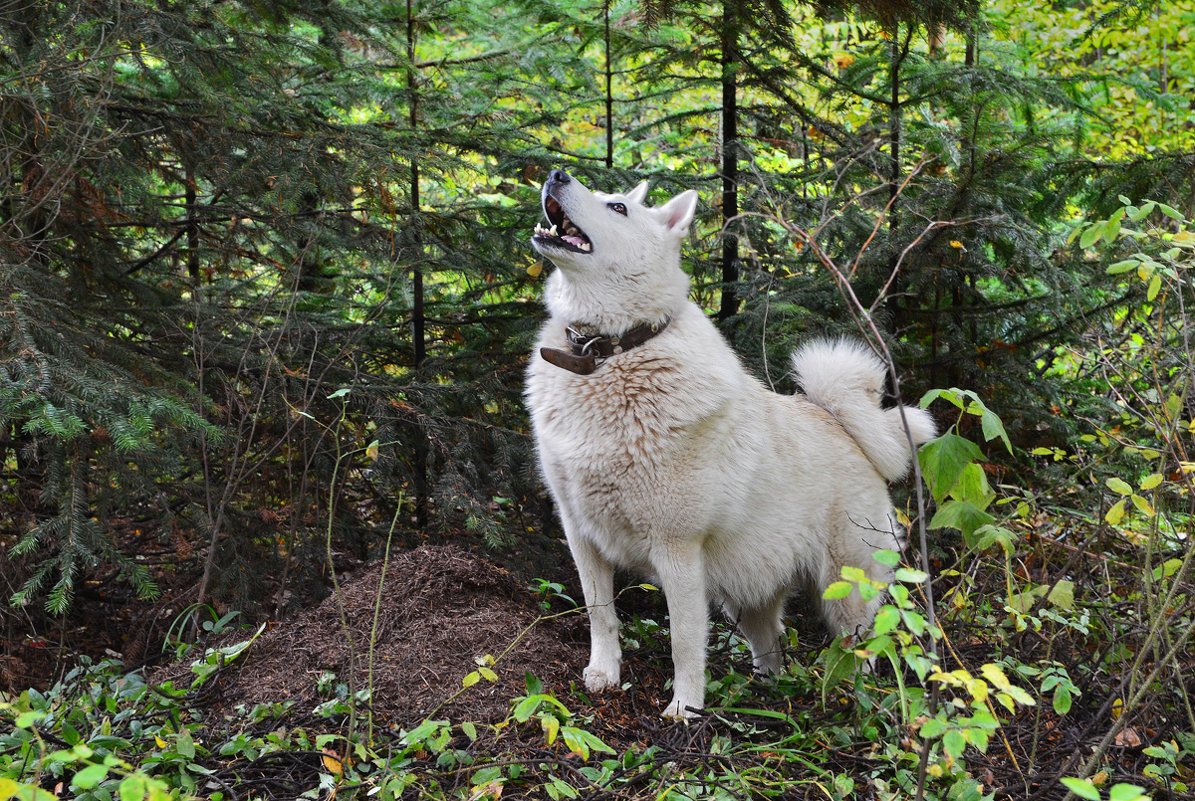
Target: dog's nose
[{"x": 559, "y": 177}]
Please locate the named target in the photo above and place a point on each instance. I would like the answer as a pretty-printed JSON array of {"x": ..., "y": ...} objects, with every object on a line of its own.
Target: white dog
[{"x": 666, "y": 457}]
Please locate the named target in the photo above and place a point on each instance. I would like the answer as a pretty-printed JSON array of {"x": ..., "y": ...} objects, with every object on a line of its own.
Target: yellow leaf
[
  {"x": 844, "y": 60},
  {"x": 1117, "y": 708},
  {"x": 371, "y": 452},
  {"x": 1116, "y": 513},
  {"x": 491, "y": 790},
  {"x": 1151, "y": 481},
  {"x": 1100, "y": 779},
  {"x": 332, "y": 762},
  {"x": 535, "y": 269},
  {"x": 471, "y": 679},
  {"x": 996, "y": 676},
  {"x": 1143, "y": 505},
  {"x": 954, "y": 243},
  {"x": 161, "y": 743},
  {"x": 979, "y": 690},
  {"x": 551, "y": 727}
]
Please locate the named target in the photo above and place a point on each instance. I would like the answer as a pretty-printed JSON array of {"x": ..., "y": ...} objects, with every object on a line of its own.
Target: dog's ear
[
  {"x": 678, "y": 212},
  {"x": 638, "y": 193}
]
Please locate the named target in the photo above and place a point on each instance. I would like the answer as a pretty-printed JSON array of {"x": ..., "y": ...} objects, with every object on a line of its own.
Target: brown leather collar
[{"x": 586, "y": 351}]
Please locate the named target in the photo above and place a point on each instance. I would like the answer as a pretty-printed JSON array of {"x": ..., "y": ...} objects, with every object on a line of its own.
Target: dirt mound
[{"x": 442, "y": 608}]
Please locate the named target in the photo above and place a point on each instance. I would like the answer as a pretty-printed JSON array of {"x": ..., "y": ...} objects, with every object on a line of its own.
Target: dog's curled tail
[{"x": 847, "y": 380}]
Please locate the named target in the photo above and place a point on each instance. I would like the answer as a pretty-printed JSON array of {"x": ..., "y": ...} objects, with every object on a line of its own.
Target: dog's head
[{"x": 619, "y": 260}]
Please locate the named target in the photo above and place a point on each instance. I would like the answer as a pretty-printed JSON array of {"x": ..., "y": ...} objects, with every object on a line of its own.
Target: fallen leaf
[
  {"x": 332, "y": 762},
  {"x": 1128, "y": 737}
]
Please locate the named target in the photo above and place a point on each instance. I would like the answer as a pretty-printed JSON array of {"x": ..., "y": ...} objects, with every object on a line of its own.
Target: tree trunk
[
  {"x": 418, "y": 322},
  {"x": 609, "y": 91},
  {"x": 730, "y": 172}
]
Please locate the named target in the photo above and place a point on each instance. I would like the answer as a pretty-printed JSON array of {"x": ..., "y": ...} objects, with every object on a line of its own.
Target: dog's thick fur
[{"x": 671, "y": 460}]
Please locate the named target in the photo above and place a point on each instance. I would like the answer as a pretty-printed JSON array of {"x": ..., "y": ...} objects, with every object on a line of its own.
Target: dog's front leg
[
  {"x": 681, "y": 570},
  {"x": 597, "y": 584}
]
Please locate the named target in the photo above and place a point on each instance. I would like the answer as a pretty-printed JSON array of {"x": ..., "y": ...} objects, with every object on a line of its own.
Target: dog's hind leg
[
  {"x": 763, "y": 628},
  {"x": 597, "y": 584},
  {"x": 681, "y": 569}
]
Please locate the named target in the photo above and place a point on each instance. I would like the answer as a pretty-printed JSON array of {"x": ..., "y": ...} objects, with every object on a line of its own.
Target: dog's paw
[
  {"x": 768, "y": 664},
  {"x": 681, "y": 709},
  {"x": 597, "y": 678}
]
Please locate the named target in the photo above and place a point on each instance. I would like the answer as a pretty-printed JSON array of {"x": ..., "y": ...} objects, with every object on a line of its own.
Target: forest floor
[{"x": 442, "y": 634}]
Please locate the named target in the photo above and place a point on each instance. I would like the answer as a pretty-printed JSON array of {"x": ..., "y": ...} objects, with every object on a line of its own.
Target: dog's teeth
[
  {"x": 585, "y": 246},
  {"x": 552, "y": 230}
]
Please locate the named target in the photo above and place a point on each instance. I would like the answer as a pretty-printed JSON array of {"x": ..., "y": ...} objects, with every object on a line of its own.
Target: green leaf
[
  {"x": 914, "y": 622},
  {"x": 1122, "y": 267},
  {"x": 580, "y": 741},
  {"x": 973, "y": 487},
  {"x": 886, "y": 557},
  {"x": 90, "y": 776},
  {"x": 911, "y": 576},
  {"x": 1126, "y": 792},
  {"x": 1081, "y": 788},
  {"x": 1023, "y": 601},
  {"x": 525, "y": 708},
  {"x": 933, "y": 394},
  {"x": 840, "y": 663},
  {"x": 1170, "y": 211},
  {"x": 933, "y": 728},
  {"x": 486, "y": 775},
  {"x": 1092, "y": 233},
  {"x": 838, "y": 590},
  {"x": 132, "y": 788},
  {"x": 1119, "y": 486},
  {"x": 989, "y": 535},
  {"x": 954, "y": 743},
  {"x": 1111, "y": 230},
  {"x": 184, "y": 744},
  {"x": 943, "y": 461},
  {"x": 1167, "y": 569},
  {"x": 1062, "y": 700},
  {"x": 1155, "y": 286},
  {"x": 1063, "y": 595},
  {"x": 993, "y": 427},
  {"x": 886, "y": 619},
  {"x": 1143, "y": 212},
  {"x": 964, "y": 516}
]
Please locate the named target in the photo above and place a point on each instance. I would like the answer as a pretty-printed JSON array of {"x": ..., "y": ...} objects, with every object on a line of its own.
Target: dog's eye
[{"x": 619, "y": 207}]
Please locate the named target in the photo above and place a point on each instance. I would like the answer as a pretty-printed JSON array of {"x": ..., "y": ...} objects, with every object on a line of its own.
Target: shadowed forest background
[{"x": 267, "y": 299}]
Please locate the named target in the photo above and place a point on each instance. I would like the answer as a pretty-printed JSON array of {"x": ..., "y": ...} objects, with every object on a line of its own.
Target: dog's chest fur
[{"x": 614, "y": 444}]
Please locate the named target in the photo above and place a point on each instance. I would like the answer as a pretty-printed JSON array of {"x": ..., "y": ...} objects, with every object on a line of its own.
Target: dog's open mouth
[{"x": 561, "y": 231}]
